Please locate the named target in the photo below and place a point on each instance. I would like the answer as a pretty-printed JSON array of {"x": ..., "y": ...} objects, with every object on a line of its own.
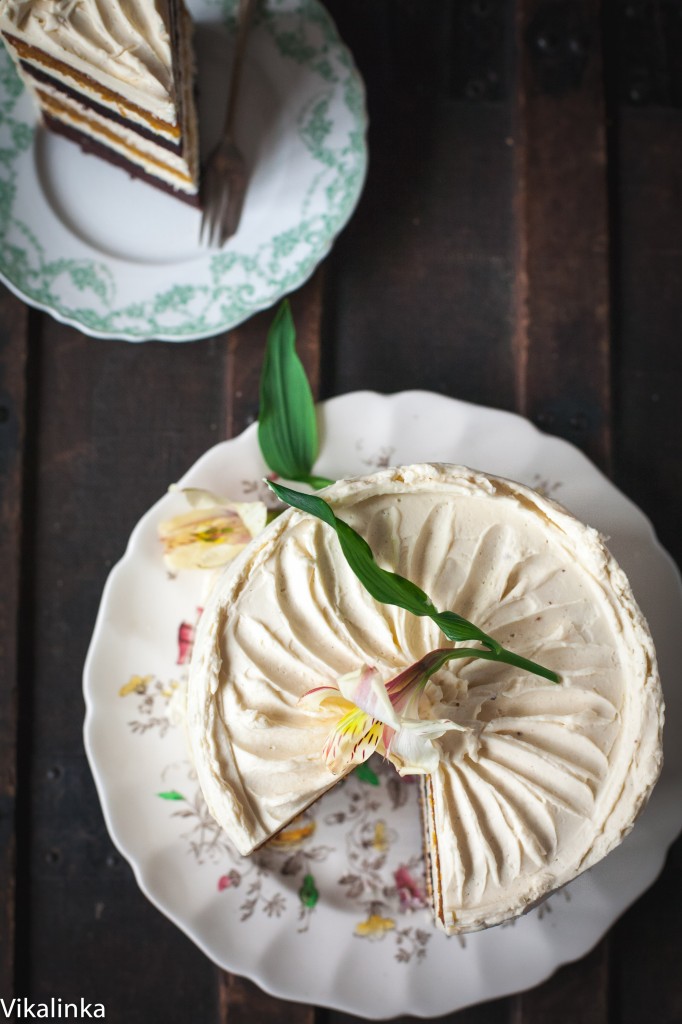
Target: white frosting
[
  {"x": 123, "y": 44},
  {"x": 549, "y": 777}
]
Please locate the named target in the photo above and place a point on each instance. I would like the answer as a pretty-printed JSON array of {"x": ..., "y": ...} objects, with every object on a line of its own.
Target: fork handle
[{"x": 244, "y": 18}]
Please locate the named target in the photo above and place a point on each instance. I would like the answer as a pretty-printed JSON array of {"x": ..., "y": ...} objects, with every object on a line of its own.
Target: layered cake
[
  {"x": 115, "y": 76},
  {"x": 535, "y": 781}
]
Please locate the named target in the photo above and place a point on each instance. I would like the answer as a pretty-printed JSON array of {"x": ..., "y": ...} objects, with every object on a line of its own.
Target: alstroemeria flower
[
  {"x": 372, "y": 716},
  {"x": 212, "y": 533}
]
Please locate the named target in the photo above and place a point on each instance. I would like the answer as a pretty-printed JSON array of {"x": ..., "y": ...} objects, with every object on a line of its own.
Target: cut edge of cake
[{"x": 150, "y": 129}]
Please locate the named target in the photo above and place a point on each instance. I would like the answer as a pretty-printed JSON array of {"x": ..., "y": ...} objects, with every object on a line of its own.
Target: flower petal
[
  {"x": 354, "y": 738},
  {"x": 211, "y": 533},
  {"x": 405, "y": 688},
  {"x": 412, "y": 749},
  {"x": 365, "y": 689},
  {"x": 197, "y": 497},
  {"x": 321, "y": 695}
]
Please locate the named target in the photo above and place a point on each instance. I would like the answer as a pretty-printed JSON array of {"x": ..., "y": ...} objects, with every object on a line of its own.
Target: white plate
[
  {"x": 119, "y": 259},
  {"x": 368, "y": 945}
]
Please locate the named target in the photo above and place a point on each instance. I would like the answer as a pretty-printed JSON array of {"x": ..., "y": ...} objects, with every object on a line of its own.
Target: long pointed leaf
[
  {"x": 287, "y": 427},
  {"x": 391, "y": 588}
]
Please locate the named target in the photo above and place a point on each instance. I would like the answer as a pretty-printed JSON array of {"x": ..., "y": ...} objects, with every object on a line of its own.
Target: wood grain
[
  {"x": 577, "y": 992},
  {"x": 420, "y": 287},
  {"x": 242, "y": 1002},
  {"x": 562, "y": 337},
  {"x": 13, "y": 398},
  {"x": 649, "y": 269}
]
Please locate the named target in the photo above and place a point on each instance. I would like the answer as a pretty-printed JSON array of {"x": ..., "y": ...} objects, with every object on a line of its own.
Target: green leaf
[
  {"x": 366, "y": 774},
  {"x": 386, "y": 587},
  {"x": 171, "y": 794},
  {"x": 287, "y": 426},
  {"x": 391, "y": 588}
]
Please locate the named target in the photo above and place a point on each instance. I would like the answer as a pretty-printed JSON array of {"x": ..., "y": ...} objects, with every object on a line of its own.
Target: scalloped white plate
[
  {"x": 334, "y": 914},
  {"x": 119, "y": 259}
]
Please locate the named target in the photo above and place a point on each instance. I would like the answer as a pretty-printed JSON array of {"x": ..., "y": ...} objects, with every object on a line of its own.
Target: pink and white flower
[{"x": 373, "y": 716}]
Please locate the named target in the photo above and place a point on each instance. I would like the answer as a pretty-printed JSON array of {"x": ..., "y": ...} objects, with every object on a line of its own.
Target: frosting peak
[{"x": 128, "y": 42}]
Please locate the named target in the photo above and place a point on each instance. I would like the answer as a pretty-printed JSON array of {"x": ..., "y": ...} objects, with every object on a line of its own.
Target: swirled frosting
[
  {"x": 126, "y": 44},
  {"x": 547, "y": 779}
]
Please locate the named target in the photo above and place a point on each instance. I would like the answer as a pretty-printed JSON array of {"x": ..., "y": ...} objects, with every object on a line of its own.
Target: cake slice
[
  {"x": 115, "y": 76},
  {"x": 540, "y": 780}
]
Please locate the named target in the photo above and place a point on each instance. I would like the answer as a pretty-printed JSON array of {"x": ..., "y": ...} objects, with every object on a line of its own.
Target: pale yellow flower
[{"x": 211, "y": 533}]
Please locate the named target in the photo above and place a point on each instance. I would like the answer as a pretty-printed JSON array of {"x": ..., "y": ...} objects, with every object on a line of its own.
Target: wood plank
[
  {"x": 494, "y": 1012},
  {"x": 421, "y": 281},
  {"x": 242, "y": 1002},
  {"x": 13, "y": 397},
  {"x": 577, "y": 992},
  {"x": 118, "y": 422},
  {"x": 562, "y": 339},
  {"x": 649, "y": 312}
]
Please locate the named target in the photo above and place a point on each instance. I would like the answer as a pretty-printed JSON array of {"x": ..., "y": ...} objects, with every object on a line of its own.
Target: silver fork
[{"x": 224, "y": 179}]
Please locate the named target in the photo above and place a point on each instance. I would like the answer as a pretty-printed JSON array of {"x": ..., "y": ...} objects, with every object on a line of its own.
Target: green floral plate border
[{"x": 319, "y": 141}]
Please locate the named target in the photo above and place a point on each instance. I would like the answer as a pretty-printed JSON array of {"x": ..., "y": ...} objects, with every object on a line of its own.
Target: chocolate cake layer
[
  {"x": 90, "y": 145},
  {"x": 98, "y": 108},
  {"x": 54, "y": 108}
]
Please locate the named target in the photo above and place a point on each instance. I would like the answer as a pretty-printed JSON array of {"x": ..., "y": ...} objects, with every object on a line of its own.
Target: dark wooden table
[{"x": 518, "y": 244}]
